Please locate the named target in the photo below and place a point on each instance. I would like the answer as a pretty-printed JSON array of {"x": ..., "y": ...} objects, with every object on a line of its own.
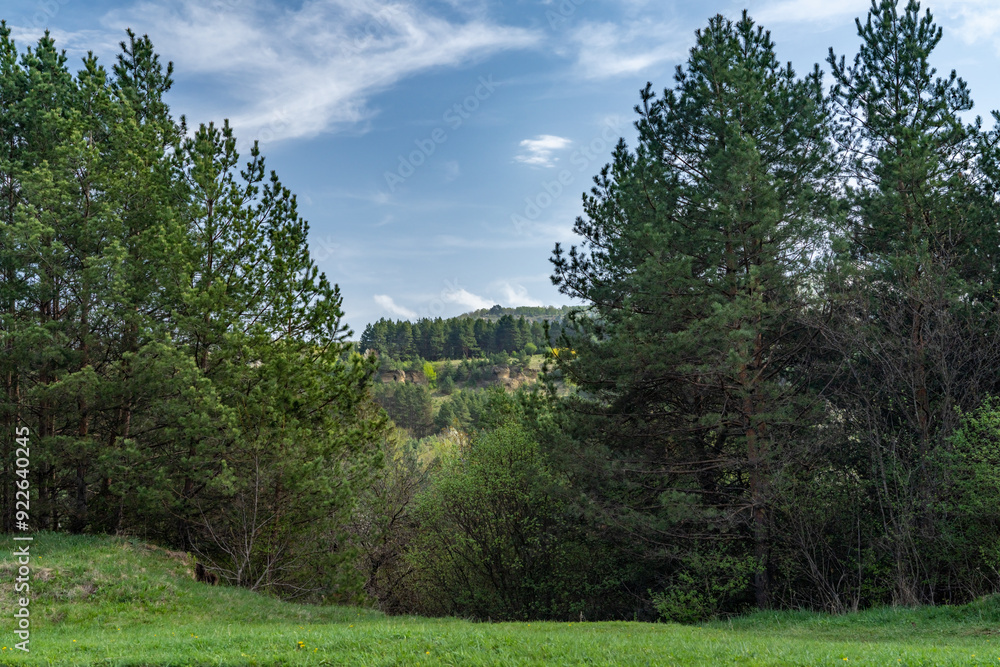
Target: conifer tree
[
  {"x": 915, "y": 285},
  {"x": 694, "y": 261},
  {"x": 179, "y": 359}
]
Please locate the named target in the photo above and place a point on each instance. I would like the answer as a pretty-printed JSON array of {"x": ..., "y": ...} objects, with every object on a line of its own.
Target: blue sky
[{"x": 439, "y": 149}]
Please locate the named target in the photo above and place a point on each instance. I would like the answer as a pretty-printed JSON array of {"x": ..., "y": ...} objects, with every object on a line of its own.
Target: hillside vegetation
[
  {"x": 463, "y": 337},
  {"x": 108, "y": 601},
  {"x": 530, "y": 313}
]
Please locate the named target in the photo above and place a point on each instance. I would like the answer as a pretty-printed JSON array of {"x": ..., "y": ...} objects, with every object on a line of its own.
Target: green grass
[{"x": 105, "y": 601}]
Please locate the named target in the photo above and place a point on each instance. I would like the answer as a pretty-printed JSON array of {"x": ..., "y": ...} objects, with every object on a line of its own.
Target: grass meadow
[{"x": 107, "y": 601}]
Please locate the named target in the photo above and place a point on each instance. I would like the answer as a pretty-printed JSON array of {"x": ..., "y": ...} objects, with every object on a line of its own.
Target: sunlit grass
[{"x": 111, "y": 602}]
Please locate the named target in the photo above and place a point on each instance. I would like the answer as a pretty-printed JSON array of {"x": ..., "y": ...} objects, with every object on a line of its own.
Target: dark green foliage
[
  {"x": 496, "y": 540},
  {"x": 710, "y": 584},
  {"x": 914, "y": 330},
  {"x": 459, "y": 337},
  {"x": 968, "y": 516},
  {"x": 408, "y": 405},
  {"x": 736, "y": 407},
  {"x": 695, "y": 262},
  {"x": 462, "y": 410}
]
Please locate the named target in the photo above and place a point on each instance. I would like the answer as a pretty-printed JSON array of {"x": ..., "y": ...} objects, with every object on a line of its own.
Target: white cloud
[
  {"x": 465, "y": 298},
  {"x": 298, "y": 72},
  {"x": 517, "y": 295},
  {"x": 387, "y": 304},
  {"x": 977, "y": 19},
  {"x": 538, "y": 151},
  {"x": 808, "y": 11},
  {"x": 76, "y": 43},
  {"x": 614, "y": 49}
]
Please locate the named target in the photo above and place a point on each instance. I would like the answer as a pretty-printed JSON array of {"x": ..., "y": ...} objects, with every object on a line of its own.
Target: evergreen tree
[
  {"x": 538, "y": 335},
  {"x": 916, "y": 331},
  {"x": 695, "y": 259},
  {"x": 485, "y": 335},
  {"x": 164, "y": 333},
  {"x": 436, "y": 340},
  {"x": 506, "y": 334}
]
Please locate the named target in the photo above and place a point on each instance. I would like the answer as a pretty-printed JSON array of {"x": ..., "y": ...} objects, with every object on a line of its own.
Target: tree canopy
[{"x": 178, "y": 357}]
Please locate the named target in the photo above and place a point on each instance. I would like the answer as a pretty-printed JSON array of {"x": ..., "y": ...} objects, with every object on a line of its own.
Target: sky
[{"x": 439, "y": 150}]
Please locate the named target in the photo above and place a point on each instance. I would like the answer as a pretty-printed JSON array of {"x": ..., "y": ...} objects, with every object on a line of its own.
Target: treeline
[
  {"x": 458, "y": 337},
  {"x": 530, "y": 313},
  {"x": 177, "y": 358}
]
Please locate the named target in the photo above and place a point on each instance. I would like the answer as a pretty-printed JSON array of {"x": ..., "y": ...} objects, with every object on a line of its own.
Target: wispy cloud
[
  {"x": 977, "y": 20},
  {"x": 390, "y": 306},
  {"x": 808, "y": 11},
  {"x": 607, "y": 49},
  {"x": 76, "y": 43},
  {"x": 465, "y": 298},
  {"x": 517, "y": 295},
  {"x": 299, "y": 72},
  {"x": 538, "y": 151}
]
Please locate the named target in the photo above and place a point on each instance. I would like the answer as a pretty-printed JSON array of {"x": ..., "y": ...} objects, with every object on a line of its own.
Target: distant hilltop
[{"x": 530, "y": 313}]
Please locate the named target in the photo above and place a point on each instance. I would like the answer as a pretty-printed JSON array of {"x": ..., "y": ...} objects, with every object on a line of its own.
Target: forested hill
[
  {"x": 530, "y": 313},
  {"x": 498, "y": 330}
]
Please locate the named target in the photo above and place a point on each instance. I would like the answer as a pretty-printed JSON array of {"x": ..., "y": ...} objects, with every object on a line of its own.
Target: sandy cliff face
[
  {"x": 511, "y": 378},
  {"x": 393, "y": 376},
  {"x": 505, "y": 376},
  {"x": 416, "y": 377}
]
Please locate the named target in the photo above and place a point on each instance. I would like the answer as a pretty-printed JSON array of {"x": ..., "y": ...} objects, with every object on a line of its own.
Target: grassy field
[{"x": 102, "y": 601}]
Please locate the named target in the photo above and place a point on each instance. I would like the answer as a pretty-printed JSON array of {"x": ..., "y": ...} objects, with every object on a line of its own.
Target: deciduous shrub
[{"x": 495, "y": 539}]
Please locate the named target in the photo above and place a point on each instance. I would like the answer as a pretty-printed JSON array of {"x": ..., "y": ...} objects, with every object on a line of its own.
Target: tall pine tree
[
  {"x": 695, "y": 262},
  {"x": 916, "y": 327}
]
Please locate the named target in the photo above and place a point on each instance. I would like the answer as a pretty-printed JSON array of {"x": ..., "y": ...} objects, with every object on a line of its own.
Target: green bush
[
  {"x": 430, "y": 374},
  {"x": 966, "y": 541},
  {"x": 495, "y": 539},
  {"x": 709, "y": 583}
]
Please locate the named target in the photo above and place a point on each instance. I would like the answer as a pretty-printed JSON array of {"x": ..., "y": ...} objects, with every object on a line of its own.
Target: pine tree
[
  {"x": 916, "y": 329},
  {"x": 15, "y": 286},
  {"x": 164, "y": 333},
  {"x": 436, "y": 340},
  {"x": 694, "y": 262}
]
